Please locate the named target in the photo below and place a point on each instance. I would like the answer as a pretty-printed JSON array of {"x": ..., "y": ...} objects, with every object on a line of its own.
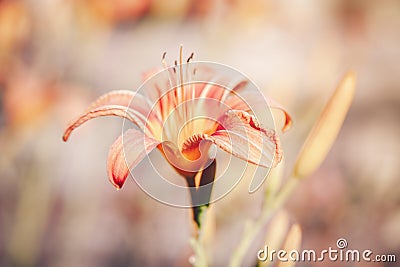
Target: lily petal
[
  {"x": 288, "y": 119},
  {"x": 108, "y": 110},
  {"x": 122, "y": 103},
  {"x": 241, "y": 136},
  {"x": 125, "y": 98},
  {"x": 244, "y": 138},
  {"x": 127, "y": 152},
  {"x": 246, "y": 99}
]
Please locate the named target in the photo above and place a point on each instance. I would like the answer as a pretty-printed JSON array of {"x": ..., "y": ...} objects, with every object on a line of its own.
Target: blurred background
[{"x": 57, "y": 207}]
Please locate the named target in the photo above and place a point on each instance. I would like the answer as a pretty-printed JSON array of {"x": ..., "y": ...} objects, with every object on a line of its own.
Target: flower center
[{"x": 191, "y": 132}]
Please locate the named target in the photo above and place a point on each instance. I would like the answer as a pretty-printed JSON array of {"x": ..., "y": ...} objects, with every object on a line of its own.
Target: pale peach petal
[
  {"x": 240, "y": 135},
  {"x": 126, "y": 152},
  {"x": 125, "y": 98},
  {"x": 288, "y": 119},
  {"x": 134, "y": 100},
  {"x": 109, "y": 110},
  {"x": 148, "y": 74},
  {"x": 157, "y": 83},
  {"x": 123, "y": 103},
  {"x": 237, "y": 86},
  {"x": 160, "y": 91},
  {"x": 245, "y": 100},
  {"x": 244, "y": 138},
  {"x": 212, "y": 89}
]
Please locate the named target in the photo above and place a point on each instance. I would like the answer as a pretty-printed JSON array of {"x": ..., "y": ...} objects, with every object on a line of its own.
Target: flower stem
[
  {"x": 200, "y": 194},
  {"x": 253, "y": 228},
  {"x": 194, "y": 199}
]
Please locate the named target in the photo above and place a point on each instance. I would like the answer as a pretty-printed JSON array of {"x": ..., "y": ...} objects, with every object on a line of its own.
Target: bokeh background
[{"x": 56, "y": 56}]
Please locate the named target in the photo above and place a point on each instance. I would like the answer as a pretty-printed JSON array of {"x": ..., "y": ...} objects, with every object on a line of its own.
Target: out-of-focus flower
[
  {"x": 183, "y": 120},
  {"x": 109, "y": 12},
  {"x": 164, "y": 9},
  {"x": 14, "y": 30},
  {"x": 21, "y": 111}
]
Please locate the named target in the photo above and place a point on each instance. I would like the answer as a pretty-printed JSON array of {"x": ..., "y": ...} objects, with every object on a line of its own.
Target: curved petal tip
[{"x": 126, "y": 152}]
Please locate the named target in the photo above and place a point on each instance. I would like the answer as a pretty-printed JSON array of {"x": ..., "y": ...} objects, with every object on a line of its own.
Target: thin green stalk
[
  {"x": 200, "y": 197},
  {"x": 253, "y": 228}
]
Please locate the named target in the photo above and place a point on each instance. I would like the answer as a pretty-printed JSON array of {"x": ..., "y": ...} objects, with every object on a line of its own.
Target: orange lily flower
[{"x": 183, "y": 110}]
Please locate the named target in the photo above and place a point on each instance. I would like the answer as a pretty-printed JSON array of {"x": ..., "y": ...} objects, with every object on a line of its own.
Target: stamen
[
  {"x": 182, "y": 93},
  {"x": 163, "y": 61},
  {"x": 175, "y": 66},
  {"x": 181, "y": 73},
  {"x": 165, "y": 65},
  {"x": 180, "y": 53},
  {"x": 190, "y": 58},
  {"x": 191, "y": 86},
  {"x": 188, "y": 77}
]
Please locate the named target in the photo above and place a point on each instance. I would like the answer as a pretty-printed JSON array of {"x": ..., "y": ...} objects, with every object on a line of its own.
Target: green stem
[
  {"x": 194, "y": 199},
  {"x": 200, "y": 196},
  {"x": 253, "y": 228}
]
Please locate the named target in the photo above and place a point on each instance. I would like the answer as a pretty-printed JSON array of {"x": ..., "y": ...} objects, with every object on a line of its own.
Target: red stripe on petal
[
  {"x": 240, "y": 135},
  {"x": 110, "y": 110},
  {"x": 247, "y": 99},
  {"x": 127, "y": 152}
]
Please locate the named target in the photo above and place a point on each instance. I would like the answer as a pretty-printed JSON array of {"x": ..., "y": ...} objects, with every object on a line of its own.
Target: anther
[{"x": 190, "y": 58}]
